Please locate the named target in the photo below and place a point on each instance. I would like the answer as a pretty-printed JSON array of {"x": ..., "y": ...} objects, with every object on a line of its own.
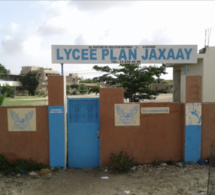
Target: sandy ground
[{"x": 145, "y": 180}]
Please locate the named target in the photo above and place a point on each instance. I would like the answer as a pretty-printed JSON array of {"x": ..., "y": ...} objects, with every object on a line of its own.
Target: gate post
[
  {"x": 193, "y": 119},
  {"x": 57, "y": 138}
]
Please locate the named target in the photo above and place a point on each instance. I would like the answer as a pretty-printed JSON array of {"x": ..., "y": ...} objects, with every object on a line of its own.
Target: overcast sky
[{"x": 29, "y": 28}]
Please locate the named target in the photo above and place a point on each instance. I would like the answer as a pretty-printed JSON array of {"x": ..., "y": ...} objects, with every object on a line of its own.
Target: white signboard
[
  {"x": 155, "y": 110},
  {"x": 127, "y": 54}
]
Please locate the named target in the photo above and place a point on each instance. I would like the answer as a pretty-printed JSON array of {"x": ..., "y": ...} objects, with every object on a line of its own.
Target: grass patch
[{"x": 25, "y": 101}]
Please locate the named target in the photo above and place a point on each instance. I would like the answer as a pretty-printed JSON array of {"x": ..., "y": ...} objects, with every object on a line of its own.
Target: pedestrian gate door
[{"x": 83, "y": 132}]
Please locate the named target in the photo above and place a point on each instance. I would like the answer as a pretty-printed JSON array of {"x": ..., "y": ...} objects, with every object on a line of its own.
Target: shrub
[
  {"x": 19, "y": 166},
  {"x": 121, "y": 162},
  {"x": 74, "y": 93},
  {"x": 2, "y": 98},
  {"x": 9, "y": 90},
  {"x": 26, "y": 92}
]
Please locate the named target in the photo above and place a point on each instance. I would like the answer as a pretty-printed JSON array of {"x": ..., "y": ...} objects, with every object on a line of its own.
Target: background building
[
  {"x": 43, "y": 75},
  {"x": 73, "y": 78},
  {"x": 13, "y": 81},
  {"x": 195, "y": 78}
]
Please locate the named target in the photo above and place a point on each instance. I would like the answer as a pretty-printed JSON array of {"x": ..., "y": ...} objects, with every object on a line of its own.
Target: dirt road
[{"x": 145, "y": 180}]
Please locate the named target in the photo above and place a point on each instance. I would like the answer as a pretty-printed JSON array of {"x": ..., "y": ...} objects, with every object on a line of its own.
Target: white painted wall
[
  {"x": 183, "y": 88},
  {"x": 179, "y": 86},
  {"x": 208, "y": 80},
  {"x": 176, "y": 85},
  {"x": 11, "y": 83}
]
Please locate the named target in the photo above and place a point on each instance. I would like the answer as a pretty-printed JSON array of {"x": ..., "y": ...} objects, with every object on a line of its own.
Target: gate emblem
[
  {"x": 127, "y": 115},
  {"x": 22, "y": 119}
]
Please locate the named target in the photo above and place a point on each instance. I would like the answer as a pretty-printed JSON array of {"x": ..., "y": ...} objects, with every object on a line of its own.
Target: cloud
[
  {"x": 50, "y": 30},
  {"x": 98, "y": 5},
  {"x": 12, "y": 45},
  {"x": 80, "y": 40},
  {"x": 32, "y": 45},
  {"x": 61, "y": 19},
  {"x": 12, "y": 39},
  {"x": 157, "y": 37}
]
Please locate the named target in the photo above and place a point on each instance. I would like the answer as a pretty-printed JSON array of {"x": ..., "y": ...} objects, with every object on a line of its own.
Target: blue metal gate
[{"x": 83, "y": 133}]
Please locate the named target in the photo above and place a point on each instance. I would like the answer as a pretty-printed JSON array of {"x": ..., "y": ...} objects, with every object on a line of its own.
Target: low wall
[
  {"x": 26, "y": 144},
  {"x": 159, "y": 136}
]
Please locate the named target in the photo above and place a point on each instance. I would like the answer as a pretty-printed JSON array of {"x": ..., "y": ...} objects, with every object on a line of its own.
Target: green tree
[
  {"x": 88, "y": 81},
  {"x": 4, "y": 73},
  {"x": 82, "y": 89},
  {"x": 157, "y": 71},
  {"x": 74, "y": 86},
  {"x": 30, "y": 82},
  {"x": 95, "y": 89},
  {"x": 67, "y": 90},
  {"x": 166, "y": 82},
  {"x": 135, "y": 79}
]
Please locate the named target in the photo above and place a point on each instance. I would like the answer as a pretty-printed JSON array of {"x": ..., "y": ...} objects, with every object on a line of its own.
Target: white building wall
[
  {"x": 180, "y": 86},
  {"x": 11, "y": 83},
  {"x": 176, "y": 85},
  {"x": 179, "y": 92},
  {"x": 195, "y": 69},
  {"x": 208, "y": 78}
]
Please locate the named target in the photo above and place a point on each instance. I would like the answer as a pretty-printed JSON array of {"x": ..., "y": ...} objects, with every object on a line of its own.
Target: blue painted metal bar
[
  {"x": 62, "y": 69},
  {"x": 56, "y": 136}
]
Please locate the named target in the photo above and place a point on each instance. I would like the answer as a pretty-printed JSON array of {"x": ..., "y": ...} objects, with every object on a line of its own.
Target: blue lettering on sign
[
  {"x": 84, "y": 54},
  {"x": 74, "y": 55},
  {"x": 67, "y": 53},
  {"x": 58, "y": 55},
  {"x": 122, "y": 55},
  {"x": 180, "y": 54},
  {"x": 105, "y": 52},
  {"x": 111, "y": 55},
  {"x": 93, "y": 54},
  {"x": 153, "y": 55},
  {"x": 171, "y": 54},
  {"x": 164, "y": 54},
  {"x": 132, "y": 54},
  {"x": 162, "y": 51},
  {"x": 188, "y": 53},
  {"x": 146, "y": 55}
]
